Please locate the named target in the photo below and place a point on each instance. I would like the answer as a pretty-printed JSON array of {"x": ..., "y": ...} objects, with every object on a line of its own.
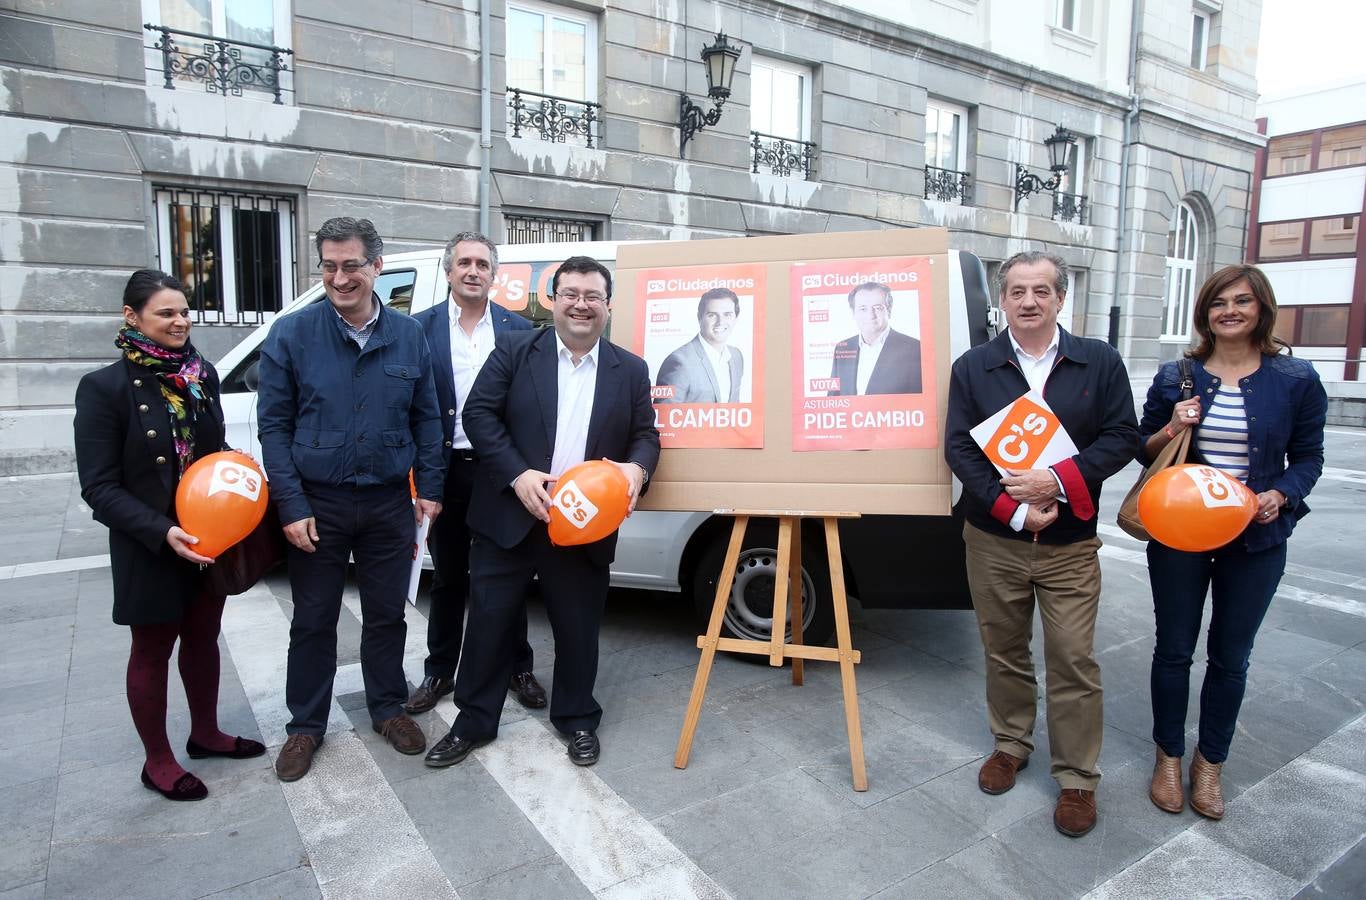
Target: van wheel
[{"x": 749, "y": 612}]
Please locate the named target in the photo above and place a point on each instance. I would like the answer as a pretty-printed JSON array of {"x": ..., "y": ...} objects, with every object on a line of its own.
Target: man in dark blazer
[
  {"x": 461, "y": 335},
  {"x": 879, "y": 359},
  {"x": 544, "y": 402},
  {"x": 707, "y": 369}
]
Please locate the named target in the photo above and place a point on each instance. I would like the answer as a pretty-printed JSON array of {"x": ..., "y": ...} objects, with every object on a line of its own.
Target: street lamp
[
  {"x": 1060, "y": 146},
  {"x": 720, "y": 59}
]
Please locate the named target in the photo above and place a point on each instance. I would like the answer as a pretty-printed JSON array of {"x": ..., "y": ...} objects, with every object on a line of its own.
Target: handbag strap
[{"x": 1187, "y": 378}]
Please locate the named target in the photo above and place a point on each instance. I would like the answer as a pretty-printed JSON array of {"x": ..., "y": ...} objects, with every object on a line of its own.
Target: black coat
[
  {"x": 511, "y": 416},
  {"x": 125, "y": 457}
]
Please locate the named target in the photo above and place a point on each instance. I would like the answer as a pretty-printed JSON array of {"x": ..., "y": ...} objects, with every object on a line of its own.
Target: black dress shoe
[
  {"x": 528, "y": 690},
  {"x": 424, "y": 697},
  {"x": 242, "y": 748},
  {"x": 450, "y": 750},
  {"x": 186, "y": 787},
  {"x": 584, "y": 748}
]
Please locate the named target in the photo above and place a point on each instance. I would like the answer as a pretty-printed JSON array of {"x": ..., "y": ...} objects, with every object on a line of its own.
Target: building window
[
  {"x": 1336, "y": 236},
  {"x": 1313, "y": 326},
  {"x": 1281, "y": 240},
  {"x": 1288, "y": 155},
  {"x": 547, "y": 230},
  {"x": 946, "y": 153},
  {"x": 1199, "y": 39},
  {"x": 1069, "y": 202},
  {"x": 780, "y": 118},
  {"x": 1073, "y": 16},
  {"x": 231, "y": 47},
  {"x": 1183, "y": 255},
  {"x": 1343, "y": 147},
  {"x": 552, "y": 50},
  {"x": 233, "y": 251}
]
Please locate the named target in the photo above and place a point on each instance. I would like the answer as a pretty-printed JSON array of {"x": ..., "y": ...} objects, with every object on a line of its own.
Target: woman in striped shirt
[{"x": 1259, "y": 415}]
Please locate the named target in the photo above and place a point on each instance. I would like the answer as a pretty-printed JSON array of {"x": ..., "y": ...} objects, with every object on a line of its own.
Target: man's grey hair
[
  {"x": 344, "y": 228},
  {"x": 448, "y": 258},
  {"x": 1029, "y": 258}
]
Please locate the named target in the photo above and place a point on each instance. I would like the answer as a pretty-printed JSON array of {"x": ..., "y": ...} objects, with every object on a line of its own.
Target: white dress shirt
[
  {"x": 1036, "y": 369},
  {"x": 469, "y": 352},
  {"x": 720, "y": 364},
  {"x": 577, "y": 384},
  {"x": 867, "y": 359}
]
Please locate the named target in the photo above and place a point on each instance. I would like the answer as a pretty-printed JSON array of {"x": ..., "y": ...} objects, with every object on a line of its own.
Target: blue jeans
[{"x": 1242, "y": 586}]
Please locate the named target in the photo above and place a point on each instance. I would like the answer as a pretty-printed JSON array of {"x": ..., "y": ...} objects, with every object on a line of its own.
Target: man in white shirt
[
  {"x": 461, "y": 333},
  {"x": 707, "y": 369},
  {"x": 543, "y": 403},
  {"x": 879, "y": 359}
]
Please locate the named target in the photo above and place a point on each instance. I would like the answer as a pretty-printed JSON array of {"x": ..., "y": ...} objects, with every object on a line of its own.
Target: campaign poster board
[
  {"x": 697, "y": 332},
  {"x": 864, "y": 378},
  {"x": 910, "y": 478}
]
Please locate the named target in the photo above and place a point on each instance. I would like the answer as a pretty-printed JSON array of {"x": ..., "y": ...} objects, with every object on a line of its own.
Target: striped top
[{"x": 1222, "y": 437}]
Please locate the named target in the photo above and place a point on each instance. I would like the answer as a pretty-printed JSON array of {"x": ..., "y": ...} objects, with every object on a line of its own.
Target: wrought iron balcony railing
[
  {"x": 220, "y": 63},
  {"x": 782, "y": 156},
  {"x": 554, "y": 118},
  {"x": 948, "y": 185},
  {"x": 1069, "y": 208}
]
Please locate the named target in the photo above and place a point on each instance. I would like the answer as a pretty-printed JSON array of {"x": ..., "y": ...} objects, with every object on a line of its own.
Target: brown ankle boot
[
  {"x": 1207, "y": 795},
  {"x": 1166, "y": 792}
]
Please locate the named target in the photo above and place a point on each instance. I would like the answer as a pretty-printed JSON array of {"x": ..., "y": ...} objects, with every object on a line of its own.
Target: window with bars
[
  {"x": 547, "y": 230},
  {"x": 233, "y": 251}
]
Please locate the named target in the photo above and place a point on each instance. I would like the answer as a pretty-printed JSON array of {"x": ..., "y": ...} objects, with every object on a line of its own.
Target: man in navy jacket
[
  {"x": 460, "y": 334},
  {"x": 1032, "y": 533},
  {"x": 543, "y": 403},
  {"x": 346, "y": 409}
]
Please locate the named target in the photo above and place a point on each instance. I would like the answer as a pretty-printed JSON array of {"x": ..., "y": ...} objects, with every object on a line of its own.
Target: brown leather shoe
[
  {"x": 1075, "y": 813},
  {"x": 403, "y": 733},
  {"x": 425, "y": 695},
  {"x": 296, "y": 756},
  {"x": 1165, "y": 791},
  {"x": 1207, "y": 794},
  {"x": 997, "y": 774}
]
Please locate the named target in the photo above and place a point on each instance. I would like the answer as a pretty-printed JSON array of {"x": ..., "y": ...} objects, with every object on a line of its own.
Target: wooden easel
[{"x": 776, "y": 648}]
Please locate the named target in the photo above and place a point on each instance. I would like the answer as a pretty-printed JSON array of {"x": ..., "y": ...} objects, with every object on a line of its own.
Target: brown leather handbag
[{"x": 1174, "y": 454}]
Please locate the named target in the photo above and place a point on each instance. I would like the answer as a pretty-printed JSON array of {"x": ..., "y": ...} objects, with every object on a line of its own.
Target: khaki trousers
[{"x": 1006, "y": 576}]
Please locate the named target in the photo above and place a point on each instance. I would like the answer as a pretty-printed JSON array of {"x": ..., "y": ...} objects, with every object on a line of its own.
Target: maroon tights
[{"x": 148, "y": 666}]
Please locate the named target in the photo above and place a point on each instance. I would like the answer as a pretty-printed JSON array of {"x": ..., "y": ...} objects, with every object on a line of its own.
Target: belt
[{"x": 465, "y": 454}]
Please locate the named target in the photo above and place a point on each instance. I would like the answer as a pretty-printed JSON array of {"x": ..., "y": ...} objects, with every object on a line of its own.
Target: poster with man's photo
[
  {"x": 697, "y": 332},
  {"x": 863, "y": 373}
]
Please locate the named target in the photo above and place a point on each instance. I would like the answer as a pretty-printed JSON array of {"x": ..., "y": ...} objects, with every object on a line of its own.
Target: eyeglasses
[
  {"x": 590, "y": 298},
  {"x": 350, "y": 267}
]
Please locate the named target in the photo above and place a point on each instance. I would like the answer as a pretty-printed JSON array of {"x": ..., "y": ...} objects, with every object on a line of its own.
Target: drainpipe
[
  {"x": 485, "y": 112},
  {"x": 1125, "y": 154}
]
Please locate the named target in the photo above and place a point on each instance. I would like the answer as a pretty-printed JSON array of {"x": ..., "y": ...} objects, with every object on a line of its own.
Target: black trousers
[
  {"x": 574, "y": 589},
  {"x": 375, "y": 526},
  {"x": 449, "y": 544}
]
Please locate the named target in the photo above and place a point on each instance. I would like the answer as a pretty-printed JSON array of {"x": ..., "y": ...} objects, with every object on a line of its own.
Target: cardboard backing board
[{"x": 893, "y": 482}]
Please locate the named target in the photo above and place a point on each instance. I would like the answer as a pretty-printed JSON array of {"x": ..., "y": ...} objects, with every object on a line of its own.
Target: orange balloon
[
  {"x": 1195, "y": 507},
  {"x": 222, "y": 497},
  {"x": 589, "y": 503}
]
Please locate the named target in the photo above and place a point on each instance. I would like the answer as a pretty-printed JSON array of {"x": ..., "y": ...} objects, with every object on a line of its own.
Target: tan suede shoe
[
  {"x": 1207, "y": 794},
  {"x": 997, "y": 774},
  {"x": 1166, "y": 792}
]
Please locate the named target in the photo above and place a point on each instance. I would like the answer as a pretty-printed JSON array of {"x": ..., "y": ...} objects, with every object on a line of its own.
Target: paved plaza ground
[{"x": 766, "y": 808}]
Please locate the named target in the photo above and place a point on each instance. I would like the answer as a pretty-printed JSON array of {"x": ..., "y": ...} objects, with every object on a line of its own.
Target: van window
[{"x": 395, "y": 290}]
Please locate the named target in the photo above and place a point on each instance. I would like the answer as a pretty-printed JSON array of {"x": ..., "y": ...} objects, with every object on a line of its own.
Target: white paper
[{"x": 415, "y": 574}]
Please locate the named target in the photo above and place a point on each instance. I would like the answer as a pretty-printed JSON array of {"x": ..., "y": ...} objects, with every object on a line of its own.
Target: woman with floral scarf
[{"x": 140, "y": 423}]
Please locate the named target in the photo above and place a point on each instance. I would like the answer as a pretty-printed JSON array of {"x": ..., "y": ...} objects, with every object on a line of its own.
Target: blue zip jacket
[
  {"x": 1286, "y": 408},
  {"x": 332, "y": 414}
]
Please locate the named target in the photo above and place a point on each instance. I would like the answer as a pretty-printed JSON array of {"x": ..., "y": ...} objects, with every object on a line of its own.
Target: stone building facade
[{"x": 844, "y": 115}]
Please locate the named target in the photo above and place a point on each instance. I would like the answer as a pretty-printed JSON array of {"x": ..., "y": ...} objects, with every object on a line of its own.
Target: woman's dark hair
[
  {"x": 1263, "y": 335},
  {"x": 143, "y": 283}
]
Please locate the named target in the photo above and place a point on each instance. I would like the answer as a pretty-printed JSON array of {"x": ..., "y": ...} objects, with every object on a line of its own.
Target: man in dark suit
[
  {"x": 544, "y": 402},
  {"x": 877, "y": 360},
  {"x": 707, "y": 369},
  {"x": 461, "y": 335}
]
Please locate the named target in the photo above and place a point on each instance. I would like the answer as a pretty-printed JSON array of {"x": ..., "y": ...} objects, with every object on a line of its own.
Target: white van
[{"x": 683, "y": 551}]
